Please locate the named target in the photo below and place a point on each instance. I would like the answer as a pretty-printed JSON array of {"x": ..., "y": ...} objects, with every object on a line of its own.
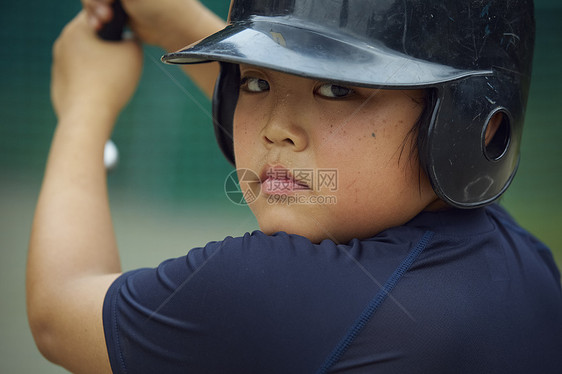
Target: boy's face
[{"x": 331, "y": 161}]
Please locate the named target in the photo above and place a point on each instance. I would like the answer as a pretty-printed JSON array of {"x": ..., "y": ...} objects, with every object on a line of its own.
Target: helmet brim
[{"x": 317, "y": 54}]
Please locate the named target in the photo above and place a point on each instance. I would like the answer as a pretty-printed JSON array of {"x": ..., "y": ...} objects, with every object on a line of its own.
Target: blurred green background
[{"x": 167, "y": 193}]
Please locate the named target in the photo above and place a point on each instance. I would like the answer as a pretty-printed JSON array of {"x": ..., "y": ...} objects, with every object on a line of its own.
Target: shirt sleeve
[{"x": 252, "y": 304}]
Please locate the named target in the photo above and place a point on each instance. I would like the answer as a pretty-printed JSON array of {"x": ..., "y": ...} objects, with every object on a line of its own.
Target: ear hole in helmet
[{"x": 497, "y": 135}]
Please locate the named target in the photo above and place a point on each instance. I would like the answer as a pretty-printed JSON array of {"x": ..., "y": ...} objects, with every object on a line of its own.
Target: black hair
[{"x": 420, "y": 130}]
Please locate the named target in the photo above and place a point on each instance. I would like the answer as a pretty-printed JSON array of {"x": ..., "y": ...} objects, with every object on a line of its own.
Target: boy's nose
[
  {"x": 285, "y": 135},
  {"x": 285, "y": 126}
]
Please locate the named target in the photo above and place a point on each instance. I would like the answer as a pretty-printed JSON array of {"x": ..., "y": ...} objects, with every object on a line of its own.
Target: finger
[
  {"x": 103, "y": 12},
  {"x": 100, "y": 12},
  {"x": 94, "y": 22},
  {"x": 91, "y": 5}
]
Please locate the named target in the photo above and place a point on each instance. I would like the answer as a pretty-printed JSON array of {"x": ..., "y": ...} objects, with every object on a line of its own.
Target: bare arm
[
  {"x": 73, "y": 254},
  {"x": 169, "y": 24}
]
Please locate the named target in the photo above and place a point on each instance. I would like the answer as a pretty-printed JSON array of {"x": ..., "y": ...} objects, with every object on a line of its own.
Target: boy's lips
[{"x": 278, "y": 180}]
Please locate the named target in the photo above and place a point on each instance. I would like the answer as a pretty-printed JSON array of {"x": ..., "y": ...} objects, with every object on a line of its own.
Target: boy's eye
[
  {"x": 251, "y": 84},
  {"x": 334, "y": 91}
]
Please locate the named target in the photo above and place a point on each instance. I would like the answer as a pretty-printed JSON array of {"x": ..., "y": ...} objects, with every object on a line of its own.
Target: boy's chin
[
  {"x": 293, "y": 228},
  {"x": 308, "y": 230},
  {"x": 313, "y": 237},
  {"x": 297, "y": 221}
]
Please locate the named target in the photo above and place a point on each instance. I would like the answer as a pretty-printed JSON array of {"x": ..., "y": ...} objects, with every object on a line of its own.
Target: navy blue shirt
[{"x": 449, "y": 292}]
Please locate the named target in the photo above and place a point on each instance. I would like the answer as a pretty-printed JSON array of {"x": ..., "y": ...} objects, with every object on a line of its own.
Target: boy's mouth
[{"x": 278, "y": 180}]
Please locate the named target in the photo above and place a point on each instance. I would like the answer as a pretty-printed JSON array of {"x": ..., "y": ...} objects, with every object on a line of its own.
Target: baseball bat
[{"x": 113, "y": 31}]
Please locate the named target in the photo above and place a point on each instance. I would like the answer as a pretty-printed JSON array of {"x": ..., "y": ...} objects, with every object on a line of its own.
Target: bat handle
[{"x": 113, "y": 30}]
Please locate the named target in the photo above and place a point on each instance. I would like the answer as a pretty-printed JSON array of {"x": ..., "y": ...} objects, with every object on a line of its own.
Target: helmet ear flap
[
  {"x": 225, "y": 98},
  {"x": 465, "y": 171}
]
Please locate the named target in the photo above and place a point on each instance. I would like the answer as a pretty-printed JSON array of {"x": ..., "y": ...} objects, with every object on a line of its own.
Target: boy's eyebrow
[{"x": 251, "y": 68}]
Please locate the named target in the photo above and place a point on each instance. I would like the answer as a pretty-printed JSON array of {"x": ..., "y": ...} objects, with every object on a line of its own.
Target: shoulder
[
  {"x": 522, "y": 243},
  {"x": 507, "y": 223},
  {"x": 488, "y": 242}
]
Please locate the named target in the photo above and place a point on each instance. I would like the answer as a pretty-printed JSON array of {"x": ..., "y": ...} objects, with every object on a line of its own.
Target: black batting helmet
[{"x": 475, "y": 54}]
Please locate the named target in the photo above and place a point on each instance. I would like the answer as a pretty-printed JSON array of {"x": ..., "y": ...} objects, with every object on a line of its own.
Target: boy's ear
[{"x": 492, "y": 127}]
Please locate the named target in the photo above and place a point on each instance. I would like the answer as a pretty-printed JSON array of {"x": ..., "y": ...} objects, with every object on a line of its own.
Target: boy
[{"x": 391, "y": 277}]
